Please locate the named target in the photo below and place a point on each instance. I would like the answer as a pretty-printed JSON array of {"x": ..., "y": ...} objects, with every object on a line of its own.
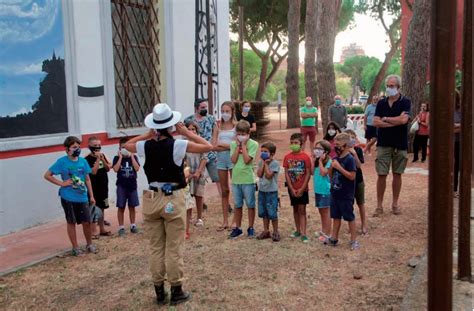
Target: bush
[{"x": 355, "y": 109}]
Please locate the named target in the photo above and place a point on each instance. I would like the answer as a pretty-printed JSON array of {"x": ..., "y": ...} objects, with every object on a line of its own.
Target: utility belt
[{"x": 166, "y": 188}]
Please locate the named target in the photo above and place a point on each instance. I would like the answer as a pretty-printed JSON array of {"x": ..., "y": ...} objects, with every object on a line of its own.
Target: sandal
[
  {"x": 95, "y": 236},
  {"x": 222, "y": 228},
  {"x": 106, "y": 233},
  {"x": 264, "y": 235},
  {"x": 378, "y": 212},
  {"x": 396, "y": 210},
  {"x": 106, "y": 223},
  {"x": 276, "y": 237}
]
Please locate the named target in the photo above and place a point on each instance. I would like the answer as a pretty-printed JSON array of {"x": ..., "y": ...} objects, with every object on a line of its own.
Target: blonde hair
[
  {"x": 343, "y": 137},
  {"x": 243, "y": 126}
]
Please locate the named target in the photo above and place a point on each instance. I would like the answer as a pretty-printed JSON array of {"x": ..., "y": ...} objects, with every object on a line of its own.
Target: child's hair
[
  {"x": 193, "y": 123},
  {"x": 243, "y": 103},
  {"x": 350, "y": 132},
  {"x": 297, "y": 136},
  {"x": 123, "y": 140},
  {"x": 232, "y": 108},
  {"x": 335, "y": 126},
  {"x": 327, "y": 148},
  {"x": 343, "y": 137},
  {"x": 270, "y": 146},
  {"x": 243, "y": 126},
  {"x": 92, "y": 138},
  {"x": 71, "y": 140}
]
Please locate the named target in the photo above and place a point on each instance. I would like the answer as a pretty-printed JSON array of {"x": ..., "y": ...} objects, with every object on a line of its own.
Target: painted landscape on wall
[{"x": 32, "y": 78}]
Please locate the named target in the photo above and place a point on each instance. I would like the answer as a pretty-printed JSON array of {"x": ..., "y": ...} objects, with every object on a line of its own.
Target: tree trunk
[
  {"x": 292, "y": 81},
  {"x": 262, "y": 83},
  {"x": 379, "y": 79},
  {"x": 416, "y": 59},
  {"x": 310, "y": 51},
  {"x": 326, "y": 30}
]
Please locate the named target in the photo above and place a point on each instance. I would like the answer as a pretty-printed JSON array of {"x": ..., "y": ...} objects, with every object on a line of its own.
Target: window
[{"x": 136, "y": 60}]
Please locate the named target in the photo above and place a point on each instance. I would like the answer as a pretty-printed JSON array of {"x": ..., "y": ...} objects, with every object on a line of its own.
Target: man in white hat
[{"x": 164, "y": 210}]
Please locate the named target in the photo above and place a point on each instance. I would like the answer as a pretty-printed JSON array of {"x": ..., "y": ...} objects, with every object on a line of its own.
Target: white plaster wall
[
  {"x": 89, "y": 65},
  {"x": 179, "y": 28},
  {"x": 223, "y": 50}
]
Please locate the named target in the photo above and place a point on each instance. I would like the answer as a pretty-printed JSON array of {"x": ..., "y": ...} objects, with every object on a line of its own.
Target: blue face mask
[
  {"x": 264, "y": 155},
  {"x": 76, "y": 152},
  {"x": 338, "y": 102},
  {"x": 246, "y": 109}
]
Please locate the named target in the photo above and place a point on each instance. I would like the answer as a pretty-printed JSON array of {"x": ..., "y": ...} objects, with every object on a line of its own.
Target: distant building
[{"x": 350, "y": 51}]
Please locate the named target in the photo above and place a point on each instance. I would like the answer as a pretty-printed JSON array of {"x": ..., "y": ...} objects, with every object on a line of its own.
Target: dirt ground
[{"x": 246, "y": 273}]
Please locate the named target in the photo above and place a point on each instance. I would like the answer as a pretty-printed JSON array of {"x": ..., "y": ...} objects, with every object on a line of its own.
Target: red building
[{"x": 406, "y": 18}]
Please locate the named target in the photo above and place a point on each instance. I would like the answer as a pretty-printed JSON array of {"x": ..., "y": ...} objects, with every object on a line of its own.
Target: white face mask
[
  {"x": 318, "y": 153},
  {"x": 308, "y": 103},
  {"x": 332, "y": 132},
  {"x": 242, "y": 138},
  {"x": 125, "y": 152},
  {"x": 171, "y": 129},
  {"x": 226, "y": 116},
  {"x": 391, "y": 91}
]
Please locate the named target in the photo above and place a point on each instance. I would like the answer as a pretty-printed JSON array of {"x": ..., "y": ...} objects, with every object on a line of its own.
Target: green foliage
[
  {"x": 343, "y": 87},
  {"x": 355, "y": 109},
  {"x": 347, "y": 14},
  {"x": 353, "y": 67}
]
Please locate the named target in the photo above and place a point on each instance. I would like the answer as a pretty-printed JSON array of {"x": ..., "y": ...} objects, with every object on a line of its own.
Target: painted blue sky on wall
[{"x": 29, "y": 33}]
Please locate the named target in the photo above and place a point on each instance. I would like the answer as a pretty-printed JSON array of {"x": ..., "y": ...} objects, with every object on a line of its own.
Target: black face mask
[
  {"x": 203, "y": 112},
  {"x": 94, "y": 149},
  {"x": 338, "y": 149}
]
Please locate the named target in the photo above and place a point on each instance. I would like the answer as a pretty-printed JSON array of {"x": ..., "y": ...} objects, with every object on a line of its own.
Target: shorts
[
  {"x": 371, "y": 132},
  {"x": 302, "y": 200},
  {"x": 268, "y": 205},
  {"x": 308, "y": 131},
  {"x": 103, "y": 203},
  {"x": 197, "y": 187},
  {"x": 387, "y": 155},
  {"x": 342, "y": 209},
  {"x": 212, "y": 170},
  {"x": 76, "y": 212},
  {"x": 360, "y": 193},
  {"x": 223, "y": 161},
  {"x": 96, "y": 214},
  {"x": 244, "y": 192},
  {"x": 124, "y": 195},
  {"x": 322, "y": 200}
]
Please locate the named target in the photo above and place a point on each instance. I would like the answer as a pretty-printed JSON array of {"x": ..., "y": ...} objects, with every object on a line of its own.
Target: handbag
[{"x": 415, "y": 126}]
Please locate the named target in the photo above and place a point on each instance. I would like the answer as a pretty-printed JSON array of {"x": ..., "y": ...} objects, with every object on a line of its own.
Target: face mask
[
  {"x": 94, "y": 149},
  {"x": 308, "y": 103},
  {"x": 331, "y": 132},
  {"x": 242, "y": 138},
  {"x": 338, "y": 102},
  {"x": 391, "y": 91},
  {"x": 295, "y": 148},
  {"x": 352, "y": 143},
  {"x": 338, "y": 149},
  {"x": 226, "y": 116},
  {"x": 171, "y": 129},
  {"x": 76, "y": 152},
  {"x": 125, "y": 152},
  {"x": 318, "y": 152},
  {"x": 264, "y": 155},
  {"x": 246, "y": 109},
  {"x": 203, "y": 112}
]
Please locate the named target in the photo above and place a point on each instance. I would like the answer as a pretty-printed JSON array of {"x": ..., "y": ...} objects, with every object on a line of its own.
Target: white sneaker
[{"x": 199, "y": 223}]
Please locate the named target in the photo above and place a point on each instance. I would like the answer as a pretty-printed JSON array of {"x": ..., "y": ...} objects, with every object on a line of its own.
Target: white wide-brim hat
[{"x": 162, "y": 117}]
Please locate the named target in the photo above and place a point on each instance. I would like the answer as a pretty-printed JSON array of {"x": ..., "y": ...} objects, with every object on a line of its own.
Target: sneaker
[
  {"x": 250, "y": 232},
  {"x": 121, "y": 232},
  {"x": 235, "y": 233},
  {"x": 91, "y": 249},
  {"x": 276, "y": 237},
  {"x": 77, "y": 252},
  {"x": 264, "y": 235},
  {"x": 331, "y": 241},
  {"x": 354, "y": 245},
  {"x": 304, "y": 239},
  {"x": 378, "y": 212},
  {"x": 199, "y": 223},
  {"x": 134, "y": 229},
  {"x": 322, "y": 236},
  {"x": 295, "y": 234}
]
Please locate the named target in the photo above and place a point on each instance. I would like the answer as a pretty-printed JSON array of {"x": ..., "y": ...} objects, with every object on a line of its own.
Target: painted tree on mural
[
  {"x": 265, "y": 21},
  {"x": 379, "y": 10},
  {"x": 416, "y": 54},
  {"x": 292, "y": 81}
]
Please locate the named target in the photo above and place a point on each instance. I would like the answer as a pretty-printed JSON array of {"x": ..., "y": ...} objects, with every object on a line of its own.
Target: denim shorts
[
  {"x": 268, "y": 205},
  {"x": 342, "y": 209},
  {"x": 212, "y": 170},
  {"x": 124, "y": 195},
  {"x": 322, "y": 200},
  {"x": 223, "y": 160},
  {"x": 245, "y": 192}
]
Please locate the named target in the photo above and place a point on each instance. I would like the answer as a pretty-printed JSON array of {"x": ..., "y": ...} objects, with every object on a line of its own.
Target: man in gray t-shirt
[{"x": 338, "y": 113}]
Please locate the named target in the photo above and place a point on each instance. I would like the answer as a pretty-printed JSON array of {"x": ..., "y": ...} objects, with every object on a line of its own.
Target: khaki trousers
[{"x": 165, "y": 222}]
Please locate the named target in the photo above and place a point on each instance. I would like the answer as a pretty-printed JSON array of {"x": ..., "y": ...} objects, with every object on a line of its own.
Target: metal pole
[
  {"x": 210, "y": 95},
  {"x": 241, "y": 53},
  {"x": 440, "y": 211},
  {"x": 464, "y": 239}
]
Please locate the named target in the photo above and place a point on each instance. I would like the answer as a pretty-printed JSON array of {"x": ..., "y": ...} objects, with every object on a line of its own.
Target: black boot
[
  {"x": 160, "y": 294},
  {"x": 178, "y": 295}
]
